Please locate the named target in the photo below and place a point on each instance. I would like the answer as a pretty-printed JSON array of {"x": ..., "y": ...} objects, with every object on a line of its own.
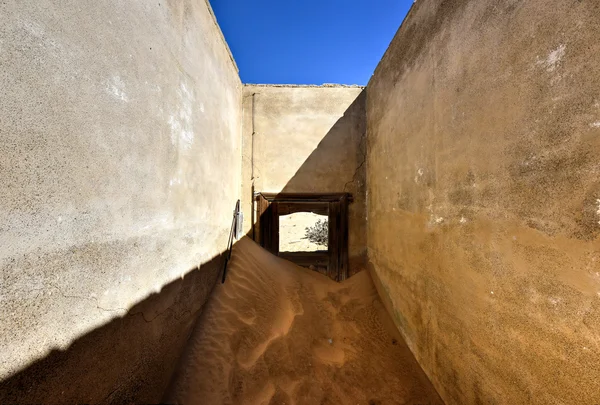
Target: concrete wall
[
  {"x": 307, "y": 139},
  {"x": 483, "y": 128},
  {"x": 120, "y": 150}
]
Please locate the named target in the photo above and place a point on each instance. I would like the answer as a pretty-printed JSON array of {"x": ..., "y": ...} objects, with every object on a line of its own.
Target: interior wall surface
[
  {"x": 120, "y": 162},
  {"x": 483, "y": 129},
  {"x": 307, "y": 139}
]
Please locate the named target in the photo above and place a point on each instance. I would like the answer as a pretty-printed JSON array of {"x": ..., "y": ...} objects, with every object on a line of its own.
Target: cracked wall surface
[
  {"x": 483, "y": 187},
  {"x": 307, "y": 139},
  {"x": 120, "y": 167}
]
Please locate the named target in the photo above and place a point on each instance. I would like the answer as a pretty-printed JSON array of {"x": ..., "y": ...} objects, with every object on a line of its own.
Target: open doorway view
[
  {"x": 303, "y": 232},
  {"x": 310, "y": 230}
]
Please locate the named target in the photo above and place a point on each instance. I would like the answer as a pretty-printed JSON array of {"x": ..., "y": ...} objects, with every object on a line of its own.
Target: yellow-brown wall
[{"x": 483, "y": 185}]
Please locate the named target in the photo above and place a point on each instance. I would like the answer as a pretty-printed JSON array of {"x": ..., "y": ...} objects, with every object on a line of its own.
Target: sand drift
[{"x": 276, "y": 333}]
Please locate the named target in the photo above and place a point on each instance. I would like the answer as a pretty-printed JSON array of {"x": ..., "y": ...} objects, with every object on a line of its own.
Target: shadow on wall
[
  {"x": 129, "y": 360},
  {"x": 132, "y": 358},
  {"x": 338, "y": 165}
]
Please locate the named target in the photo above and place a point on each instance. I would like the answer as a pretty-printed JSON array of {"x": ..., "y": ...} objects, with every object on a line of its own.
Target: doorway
[{"x": 310, "y": 230}]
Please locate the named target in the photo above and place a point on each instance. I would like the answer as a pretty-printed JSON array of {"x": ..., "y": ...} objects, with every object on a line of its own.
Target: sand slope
[{"x": 276, "y": 333}]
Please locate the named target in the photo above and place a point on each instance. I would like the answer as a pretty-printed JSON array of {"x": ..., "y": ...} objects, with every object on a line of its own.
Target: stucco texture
[
  {"x": 120, "y": 165},
  {"x": 307, "y": 139},
  {"x": 483, "y": 123}
]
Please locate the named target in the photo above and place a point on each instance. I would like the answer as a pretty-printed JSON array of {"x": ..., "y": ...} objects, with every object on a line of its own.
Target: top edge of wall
[
  {"x": 387, "y": 50},
  {"x": 214, "y": 17},
  {"x": 324, "y": 85}
]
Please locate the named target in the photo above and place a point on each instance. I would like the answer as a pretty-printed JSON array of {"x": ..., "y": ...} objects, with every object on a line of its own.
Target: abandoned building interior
[{"x": 454, "y": 205}]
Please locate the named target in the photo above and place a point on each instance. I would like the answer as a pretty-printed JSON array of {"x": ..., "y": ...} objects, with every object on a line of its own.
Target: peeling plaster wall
[
  {"x": 483, "y": 123},
  {"x": 307, "y": 139},
  {"x": 120, "y": 146}
]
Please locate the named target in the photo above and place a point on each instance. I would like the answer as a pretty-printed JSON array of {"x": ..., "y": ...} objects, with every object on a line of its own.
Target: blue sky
[{"x": 309, "y": 41}]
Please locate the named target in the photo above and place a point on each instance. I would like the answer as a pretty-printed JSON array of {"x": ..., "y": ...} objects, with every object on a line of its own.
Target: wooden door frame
[{"x": 271, "y": 205}]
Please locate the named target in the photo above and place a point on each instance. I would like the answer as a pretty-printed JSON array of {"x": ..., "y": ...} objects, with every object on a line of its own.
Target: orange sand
[{"x": 276, "y": 333}]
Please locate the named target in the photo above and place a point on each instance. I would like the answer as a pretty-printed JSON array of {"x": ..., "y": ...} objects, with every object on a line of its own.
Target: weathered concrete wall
[
  {"x": 307, "y": 139},
  {"x": 120, "y": 149},
  {"x": 483, "y": 128}
]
